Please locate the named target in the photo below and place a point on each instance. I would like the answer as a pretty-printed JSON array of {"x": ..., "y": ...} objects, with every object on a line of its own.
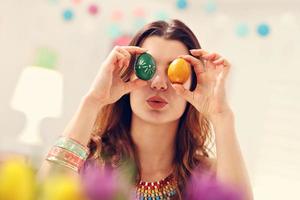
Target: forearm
[
  {"x": 81, "y": 125},
  {"x": 79, "y": 128},
  {"x": 230, "y": 167}
]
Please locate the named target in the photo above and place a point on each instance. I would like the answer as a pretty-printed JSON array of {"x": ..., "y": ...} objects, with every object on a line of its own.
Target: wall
[{"x": 262, "y": 86}]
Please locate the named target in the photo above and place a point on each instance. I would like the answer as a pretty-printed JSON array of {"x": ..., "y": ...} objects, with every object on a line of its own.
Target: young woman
[{"x": 163, "y": 127}]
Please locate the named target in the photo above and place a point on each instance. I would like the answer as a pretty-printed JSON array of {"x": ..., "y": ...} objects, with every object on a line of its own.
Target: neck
[{"x": 156, "y": 147}]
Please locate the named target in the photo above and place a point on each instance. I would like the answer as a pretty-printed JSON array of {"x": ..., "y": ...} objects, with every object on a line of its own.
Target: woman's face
[{"x": 164, "y": 52}]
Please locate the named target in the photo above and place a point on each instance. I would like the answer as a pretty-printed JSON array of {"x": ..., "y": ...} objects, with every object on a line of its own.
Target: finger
[
  {"x": 184, "y": 93},
  {"x": 134, "y": 49},
  {"x": 134, "y": 84},
  {"x": 226, "y": 68},
  {"x": 219, "y": 61},
  {"x": 124, "y": 52},
  {"x": 198, "y": 52},
  {"x": 127, "y": 57},
  {"x": 120, "y": 59},
  {"x": 211, "y": 56},
  {"x": 222, "y": 63},
  {"x": 226, "y": 63},
  {"x": 195, "y": 62}
]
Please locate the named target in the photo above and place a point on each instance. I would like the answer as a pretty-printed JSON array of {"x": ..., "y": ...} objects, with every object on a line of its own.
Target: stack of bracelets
[{"x": 69, "y": 153}]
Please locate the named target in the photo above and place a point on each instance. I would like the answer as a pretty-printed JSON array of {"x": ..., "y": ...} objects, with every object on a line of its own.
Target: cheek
[
  {"x": 136, "y": 96},
  {"x": 133, "y": 97},
  {"x": 136, "y": 99},
  {"x": 178, "y": 105}
]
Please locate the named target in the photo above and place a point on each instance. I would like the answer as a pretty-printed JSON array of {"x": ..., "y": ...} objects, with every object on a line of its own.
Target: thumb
[{"x": 180, "y": 90}]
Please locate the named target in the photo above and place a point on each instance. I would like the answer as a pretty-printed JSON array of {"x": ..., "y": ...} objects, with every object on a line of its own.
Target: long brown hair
[{"x": 113, "y": 121}]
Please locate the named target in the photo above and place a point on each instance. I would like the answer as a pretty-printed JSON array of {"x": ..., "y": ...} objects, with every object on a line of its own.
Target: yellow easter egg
[{"x": 179, "y": 71}]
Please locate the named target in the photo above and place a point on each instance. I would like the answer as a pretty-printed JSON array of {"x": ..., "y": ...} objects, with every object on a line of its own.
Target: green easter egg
[{"x": 145, "y": 67}]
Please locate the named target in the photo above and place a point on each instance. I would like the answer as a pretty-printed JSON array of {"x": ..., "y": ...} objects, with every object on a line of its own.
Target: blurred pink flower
[
  {"x": 103, "y": 183},
  {"x": 207, "y": 187}
]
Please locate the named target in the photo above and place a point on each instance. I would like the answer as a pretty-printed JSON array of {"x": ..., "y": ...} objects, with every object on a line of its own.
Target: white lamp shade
[{"x": 39, "y": 92}]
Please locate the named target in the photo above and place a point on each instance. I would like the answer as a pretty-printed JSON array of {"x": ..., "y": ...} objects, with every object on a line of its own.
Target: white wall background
[{"x": 262, "y": 87}]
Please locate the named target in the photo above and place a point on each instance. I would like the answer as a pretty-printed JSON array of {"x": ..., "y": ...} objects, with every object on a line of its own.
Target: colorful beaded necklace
[{"x": 158, "y": 190}]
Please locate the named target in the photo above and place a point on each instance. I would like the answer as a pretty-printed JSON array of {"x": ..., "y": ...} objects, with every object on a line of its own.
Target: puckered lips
[{"x": 156, "y": 102}]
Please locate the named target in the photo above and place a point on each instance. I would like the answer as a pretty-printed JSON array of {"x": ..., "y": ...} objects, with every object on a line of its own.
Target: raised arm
[
  {"x": 230, "y": 165},
  {"x": 106, "y": 89},
  {"x": 209, "y": 98},
  {"x": 80, "y": 129}
]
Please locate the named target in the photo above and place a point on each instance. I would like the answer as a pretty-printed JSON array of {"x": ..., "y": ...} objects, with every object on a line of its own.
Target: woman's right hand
[{"x": 108, "y": 86}]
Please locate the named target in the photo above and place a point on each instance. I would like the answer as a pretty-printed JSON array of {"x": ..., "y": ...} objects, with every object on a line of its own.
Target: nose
[{"x": 159, "y": 81}]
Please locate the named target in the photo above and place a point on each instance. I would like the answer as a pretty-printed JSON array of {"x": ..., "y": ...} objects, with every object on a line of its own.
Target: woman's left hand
[{"x": 209, "y": 96}]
